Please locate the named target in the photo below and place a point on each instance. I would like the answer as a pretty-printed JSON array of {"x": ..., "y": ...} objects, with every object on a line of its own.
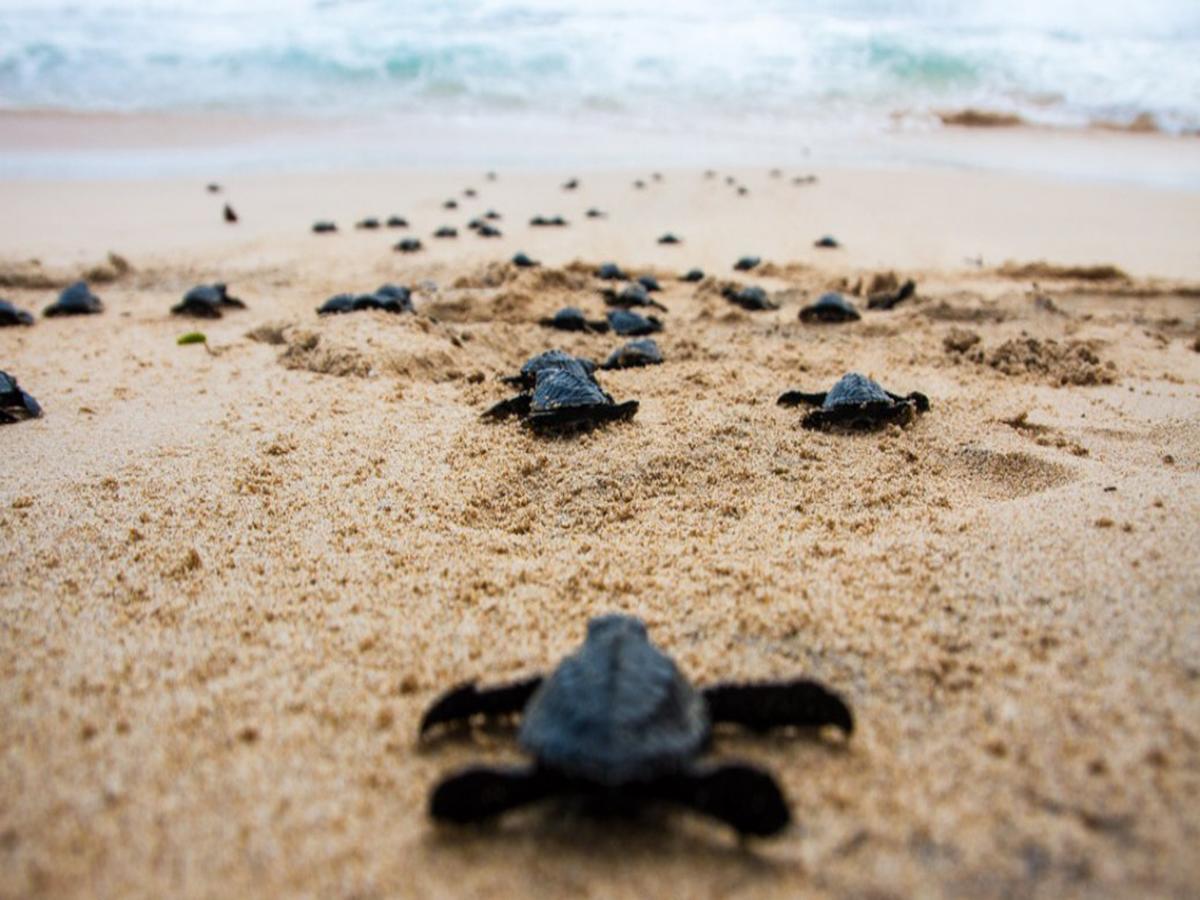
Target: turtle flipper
[
  {"x": 744, "y": 797},
  {"x": 795, "y": 398},
  {"x": 460, "y": 703},
  {"x": 481, "y": 792},
  {"x": 513, "y": 406},
  {"x": 778, "y": 704}
]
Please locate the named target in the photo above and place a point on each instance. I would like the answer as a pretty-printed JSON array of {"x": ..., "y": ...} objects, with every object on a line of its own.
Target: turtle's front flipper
[
  {"x": 480, "y": 793},
  {"x": 513, "y": 406},
  {"x": 460, "y": 703},
  {"x": 744, "y": 797},
  {"x": 795, "y": 398},
  {"x": 778, "y": 704}
]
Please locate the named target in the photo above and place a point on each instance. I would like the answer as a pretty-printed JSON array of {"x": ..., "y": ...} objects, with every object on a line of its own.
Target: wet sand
[{"x": 231, "y": 582}]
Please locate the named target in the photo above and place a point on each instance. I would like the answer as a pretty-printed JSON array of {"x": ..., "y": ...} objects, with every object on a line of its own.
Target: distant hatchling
[
  {"x": 76, "y": 300},
  {"x": 637, "y": 353},
  {"x": 618, "y": 726},
  {"x": 857, "y": 403},
  {"x": 746, "y": 263},
  {"x": 12, "y": 315},
  {"x": 408, "y": 245},
  {"x": 206, "y": 301},
  {"x": 324, "y": 227},
  {"x": 830, "y": 307},
  {"x": 15, "y": 404}
]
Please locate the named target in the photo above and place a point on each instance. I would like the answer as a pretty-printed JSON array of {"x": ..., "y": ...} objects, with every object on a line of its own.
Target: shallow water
[{"x": 771, "y": 64}]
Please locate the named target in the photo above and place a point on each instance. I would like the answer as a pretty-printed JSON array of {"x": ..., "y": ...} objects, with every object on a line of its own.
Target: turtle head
[{"x": 613, "y": 625}]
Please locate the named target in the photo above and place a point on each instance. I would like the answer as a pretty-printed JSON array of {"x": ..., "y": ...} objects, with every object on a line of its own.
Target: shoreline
[{"x": 49, "y": 144}]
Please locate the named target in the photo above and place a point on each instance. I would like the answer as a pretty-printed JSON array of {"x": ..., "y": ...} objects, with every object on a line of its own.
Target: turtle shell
[
  {"x": 551, "y": 359},
  {"x": 693, "y": 275},
  {"x": 752, "y": 298},
  {"x": 569, "y": 318},
  {"x": 446, "y": 232},
  {"x": 324, "y": 227},
  {"x": 746, "y": 263},
  {"x": 643, "y": 352},
  {"x": 618, "y": 711},
  {"x": 523, "y": 261},
  {"x": 11, "y": 315},
  {"x": 397, "y": 222},
  {"x": 15, "y": 404},
  {"x": 854, "y": 389},
  {"x": 650, "y": 283},
  {"x": 76, "y": 300},
  {"x": 408, "y": 245},
  {"x": 339, "y": 303},
  {"x": 611, "y": 272},
  {"x": 625, "y": 322},
  {"x": 830, "y": 307}
]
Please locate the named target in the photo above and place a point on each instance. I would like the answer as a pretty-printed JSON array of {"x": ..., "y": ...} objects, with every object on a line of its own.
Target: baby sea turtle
[
  {"x": 12, "y": 315},
  {"x": 571, "y": 318},
  {"x": 491, "y": 215},
  {"x": 450, "y": 204},
  {"x": 488, "y": 231},
  {"x": 742, "y": 190},
  {"x": 571, "y": 184},
  {"x": 551, "y": 359},
  {"x": 746, "y": 263},
  {"x": 857, "y": 403},
  {"x": 548, "y": 222},
  {"x": 388, "y": 298},
  {"x": 565, "y": 396},
  {"x": 594, "y": 213},
  {"x": 522, "y": 261},
  {"x": 627, "y": 322},
  {"x": 230, "y": 216},
  {"x": 669, "y": 238},
  {"x": 891, "y": 299},
  {"x": 368, "y": 224},
  {"x": 633, "y": 294},
  {"x": 324, "y": 227},
  {"x": 649, "y": 282},
  {"x": 76, "y": 300},
  {"x": 408, "y": 245},
  {"x": 617, "y": 724},
  {"x": 692, "y": 275},
  {"x": 206, "y": 301},
  {"x": 639, "y": 184},
  {"x": 751, "y": 298},
  {"x": 397, "y": 222},
  {"x": 15, "y": 404},
  {"x": 611, "y": 272},
  {"x": 642, "y": 352},
  {"x": 446, "y": 232},
  {"x": 828, "y": 242},
  {"x": 469, "y": 192},
  {"x": 830, "y": 307}
]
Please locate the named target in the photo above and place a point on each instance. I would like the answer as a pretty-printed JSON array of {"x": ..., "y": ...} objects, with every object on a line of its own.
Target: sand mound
[
  {"x": 947, "y": 312},
  {"x": 979, "y": 118},
  {"x": 1061, "y": 363},
  {"x": 1045, "y": 270},
  {"x": 32, "y": 276},
  {"x": 307, "y": 350}
]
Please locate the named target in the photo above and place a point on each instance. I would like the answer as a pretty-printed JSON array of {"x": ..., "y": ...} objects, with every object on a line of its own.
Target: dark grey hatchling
[
  {"x": 618, "y": 724},
  {"x": 857, "y": 403}
]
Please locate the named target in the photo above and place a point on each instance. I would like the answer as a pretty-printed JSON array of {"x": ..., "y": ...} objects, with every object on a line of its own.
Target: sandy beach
[{"x": 231, "y": 579}]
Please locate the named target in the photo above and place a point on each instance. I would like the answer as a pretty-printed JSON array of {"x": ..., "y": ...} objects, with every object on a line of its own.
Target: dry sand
[{"x": 230, "y": 583}]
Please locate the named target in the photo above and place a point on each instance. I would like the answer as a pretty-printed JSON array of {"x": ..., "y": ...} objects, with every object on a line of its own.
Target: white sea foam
[{"x": 855, "y": 63}]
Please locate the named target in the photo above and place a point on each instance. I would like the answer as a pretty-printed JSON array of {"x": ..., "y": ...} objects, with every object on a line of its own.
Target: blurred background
[{"x": 794, "y": 72}]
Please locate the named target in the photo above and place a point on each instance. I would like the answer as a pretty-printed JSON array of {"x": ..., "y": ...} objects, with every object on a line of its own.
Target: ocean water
[{"x": 870, "y": 64}]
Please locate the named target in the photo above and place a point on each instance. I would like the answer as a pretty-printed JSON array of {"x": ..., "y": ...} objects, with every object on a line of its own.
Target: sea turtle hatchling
[
  {"x": 692, "y": 275},
  {"x": 830, "y": 307},
  {"x": 746, "y": 263},
  {"x": 206, "y": 301},
  {"x": 640, "y": 352},
  {"x": 12, "y": 315},
  {"x": 856, "y": 403},
  {"x": 324, "y": 226},
  {"x": 390, "y": 298},
  {"x": 524, "y": 261},
  {"x": 397, "y": 222},
  {"x": 551, "y": 359},
  {"x": 892, "y": 299},
  {"x": 408, "y": 245},
  {"x": 15, "y": 404},
  {"x": 610, "y": 271},
  {"x": 564, "y": 397},
  {"x": 751, "y": 297},
  {"x": 670, "y": 238},
  {"x": 571, "y": 318},
  {"x": 446, "y": 232},
  {"x": 633, "y": 294},
  {"x": 75, "y": 300},
  {"x": 627, "y": 322},
  {"x": 618, "y": 726}
]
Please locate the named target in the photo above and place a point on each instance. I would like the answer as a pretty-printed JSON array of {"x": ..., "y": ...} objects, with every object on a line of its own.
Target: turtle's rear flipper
[
  {"x": 481, "y": 793},
  {"x": 778, "y": 704},
  {"x": 513, "y": 406},
  {"x": 744, "y": 797},
  {"x": 795, "y": 398}
]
